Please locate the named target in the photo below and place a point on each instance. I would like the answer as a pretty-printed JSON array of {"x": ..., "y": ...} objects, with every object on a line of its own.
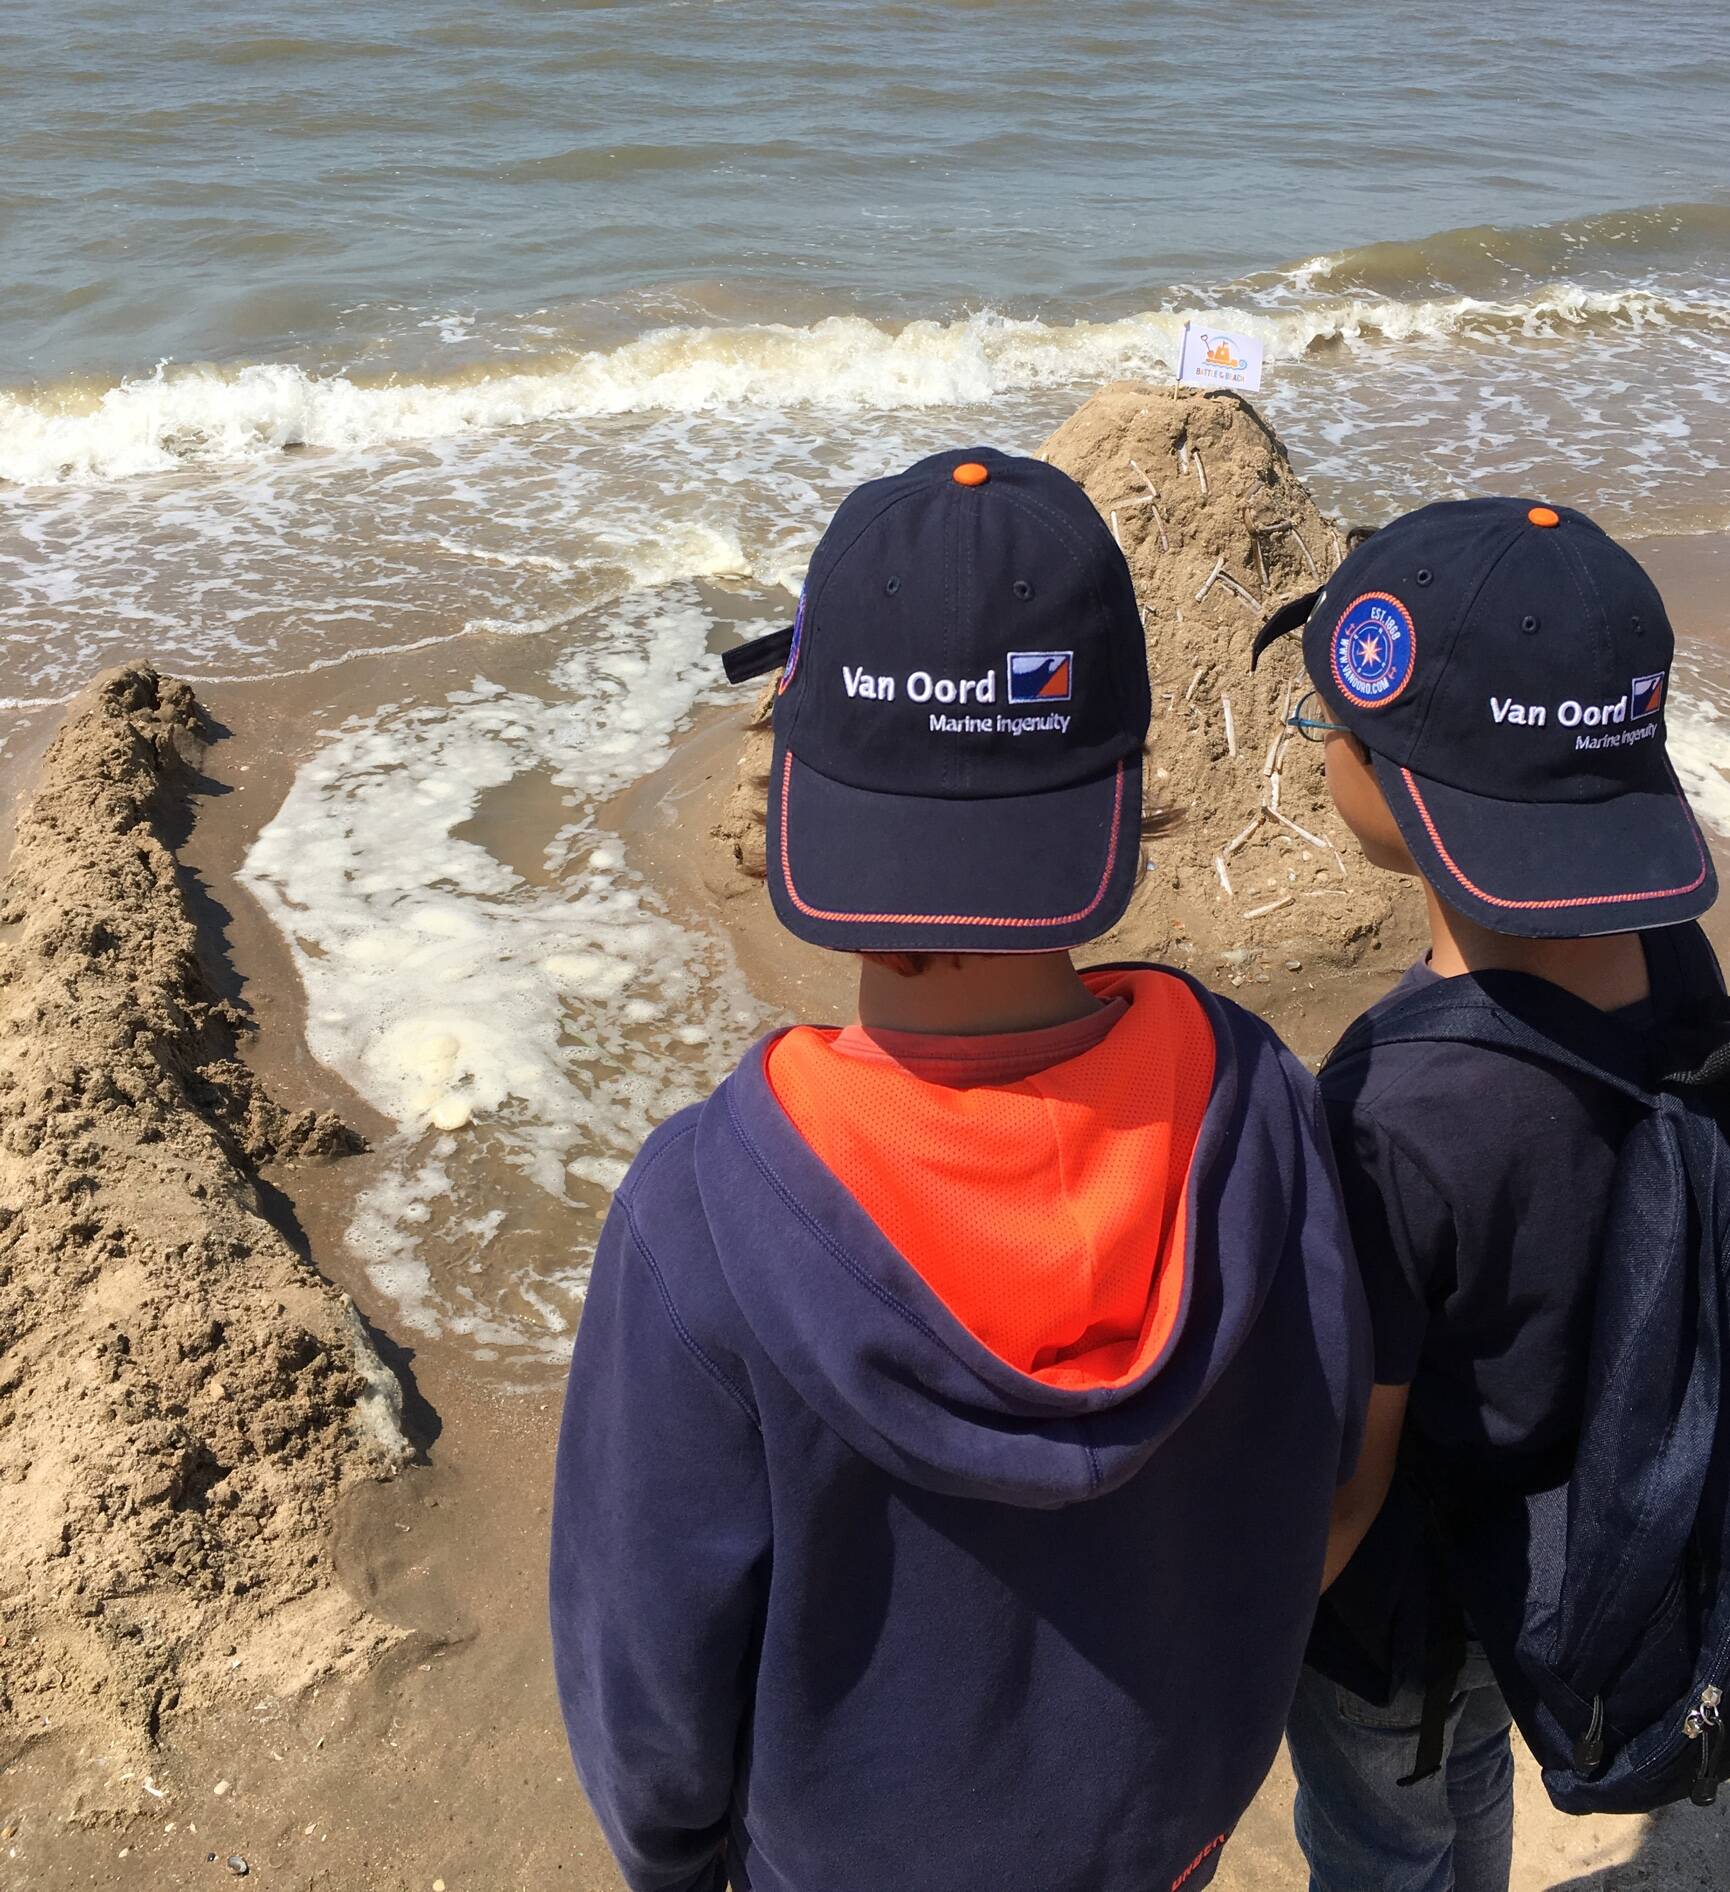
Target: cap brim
[
  {"x": 860, "y": 871},
  {"x": 1556, "y": 870},
  {"x": 1290, "y": 617}
]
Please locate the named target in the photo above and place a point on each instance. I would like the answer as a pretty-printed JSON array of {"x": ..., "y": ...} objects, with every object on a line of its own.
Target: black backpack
[{"x": 1603, "y": 1600}]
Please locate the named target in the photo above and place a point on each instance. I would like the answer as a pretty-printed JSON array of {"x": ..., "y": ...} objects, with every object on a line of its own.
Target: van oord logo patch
[
  {"x": 1374, "y": 648},
  {"x": 1041, "y": 676}
]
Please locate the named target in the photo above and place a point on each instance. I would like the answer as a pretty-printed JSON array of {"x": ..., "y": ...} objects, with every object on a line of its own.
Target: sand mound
[
  {"x": 1249, "y": 860},
  {"x": 742, "y": 830},
  {"x": 182, "y": 1398}
]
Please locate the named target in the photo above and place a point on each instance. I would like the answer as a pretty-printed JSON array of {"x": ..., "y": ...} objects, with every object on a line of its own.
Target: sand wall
[{"x": 183, "y": 1398}]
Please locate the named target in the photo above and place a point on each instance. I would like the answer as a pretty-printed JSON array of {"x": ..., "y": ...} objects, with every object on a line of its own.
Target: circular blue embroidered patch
[{"x": 1375, "y": 646}]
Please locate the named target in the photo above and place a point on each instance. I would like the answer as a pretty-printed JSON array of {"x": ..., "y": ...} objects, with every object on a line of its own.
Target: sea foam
[
  {"x": 207, "y": 415},
  {"x": 531, "y": 1025}
]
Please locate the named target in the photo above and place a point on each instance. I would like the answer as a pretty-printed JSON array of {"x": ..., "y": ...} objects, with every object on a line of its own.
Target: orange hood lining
[{"x": 1048, "y": 1213}]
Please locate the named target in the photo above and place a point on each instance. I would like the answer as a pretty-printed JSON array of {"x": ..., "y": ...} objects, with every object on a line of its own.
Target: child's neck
[
  {"x": 1609, "y": 972},
  {"x": 970, "y": 995}
]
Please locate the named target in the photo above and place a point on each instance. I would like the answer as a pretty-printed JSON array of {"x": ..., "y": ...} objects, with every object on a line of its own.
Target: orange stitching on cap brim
[
  {"x": 1359, "y": 702},
  {"x": 1540, "y": 906},
  {"x": 947, "y": 919}
]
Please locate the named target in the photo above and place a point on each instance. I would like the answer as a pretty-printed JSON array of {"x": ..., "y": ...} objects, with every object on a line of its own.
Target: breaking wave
[{"x": 205, "y": 415}]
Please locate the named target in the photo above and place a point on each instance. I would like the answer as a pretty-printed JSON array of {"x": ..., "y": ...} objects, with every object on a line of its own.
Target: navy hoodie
[{"x": 842, "y": 1602}]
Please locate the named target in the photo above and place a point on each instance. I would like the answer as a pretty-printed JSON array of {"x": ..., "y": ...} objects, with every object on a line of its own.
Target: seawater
[{"x": 344, "y": 330}]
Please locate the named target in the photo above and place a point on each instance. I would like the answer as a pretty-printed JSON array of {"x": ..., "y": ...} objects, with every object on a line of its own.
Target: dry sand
[{"x": 442, "y": 1759}]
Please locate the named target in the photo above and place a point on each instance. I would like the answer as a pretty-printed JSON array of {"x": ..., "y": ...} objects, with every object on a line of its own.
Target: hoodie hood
[
  {"x": 886, "y": 1360},
  {"x": 1045, "y": 1206}
]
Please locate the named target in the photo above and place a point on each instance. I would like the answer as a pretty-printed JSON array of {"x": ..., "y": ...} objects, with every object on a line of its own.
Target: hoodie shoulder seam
[{"x": 692, "y": 1345}]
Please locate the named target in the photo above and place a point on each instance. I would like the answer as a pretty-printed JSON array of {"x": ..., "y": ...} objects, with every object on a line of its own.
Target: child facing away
[
  {"x": 961, "y": 1397},
  {"x": 1489, "y": 681}
]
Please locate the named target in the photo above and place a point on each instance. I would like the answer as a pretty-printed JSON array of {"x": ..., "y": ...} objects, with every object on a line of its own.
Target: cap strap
[
  {"x": 758, "y": 657},
  {"x": 1289, "y": 617}
]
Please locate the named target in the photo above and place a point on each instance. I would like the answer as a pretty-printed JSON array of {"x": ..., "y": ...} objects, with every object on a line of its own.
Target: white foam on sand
[
  {"x": 529, "y": 1027},
  {"x": 1698, "y": 738}
]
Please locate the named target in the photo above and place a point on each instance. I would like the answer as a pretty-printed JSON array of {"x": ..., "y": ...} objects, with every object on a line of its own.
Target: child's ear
[{"x": 1358, "y": 798}]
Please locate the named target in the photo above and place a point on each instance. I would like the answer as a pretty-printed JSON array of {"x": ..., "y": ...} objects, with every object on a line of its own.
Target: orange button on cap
[
  {"x": 970, "y": 473},
  {"x": 1544, "y": 516}
]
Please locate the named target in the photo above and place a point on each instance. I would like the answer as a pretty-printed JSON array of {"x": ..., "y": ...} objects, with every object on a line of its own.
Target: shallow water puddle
[{"x": 486, "y": 968}]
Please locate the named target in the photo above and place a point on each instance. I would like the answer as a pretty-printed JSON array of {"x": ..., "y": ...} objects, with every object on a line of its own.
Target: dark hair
[{"x": 908, "y": 965}]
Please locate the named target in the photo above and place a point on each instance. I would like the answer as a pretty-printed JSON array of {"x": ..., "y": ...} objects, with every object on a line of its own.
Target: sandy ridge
[{"x": 182, "y": 1396}]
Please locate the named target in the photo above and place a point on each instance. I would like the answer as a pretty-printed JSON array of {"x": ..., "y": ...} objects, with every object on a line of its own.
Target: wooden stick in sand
[
  {"x": 1248, "y": 596},
  {"x": 1241, "y": 837},
  {"x": 1118, "y": 536},
  {"x": 1290, "y": 525},
  {"x": 1152, "y": 500},
  {"x": 1201, "y": 474},
  {"x": 1314, "y": 840},
  {"x": 1220, "y": 576},
  {"x": 1224, "y": 877},
  {"x": 1194, "y": 681},
  {"x": 1273, "y": 906},
  {"x": 1230, "y": 726},
  {"x": 1280, "y": 732}
]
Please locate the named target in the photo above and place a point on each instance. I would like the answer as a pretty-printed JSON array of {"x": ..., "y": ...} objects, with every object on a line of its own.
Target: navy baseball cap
[
  {"x": 1506, "y": 664},
  {"x": 960, "y": 717}
]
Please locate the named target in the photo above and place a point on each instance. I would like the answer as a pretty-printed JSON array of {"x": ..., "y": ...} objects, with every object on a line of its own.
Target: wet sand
[{"x": 446, "y": 1762}]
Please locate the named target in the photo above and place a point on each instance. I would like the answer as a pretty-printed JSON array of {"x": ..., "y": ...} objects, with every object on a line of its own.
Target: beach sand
[{"x": 444, "y": 1762}]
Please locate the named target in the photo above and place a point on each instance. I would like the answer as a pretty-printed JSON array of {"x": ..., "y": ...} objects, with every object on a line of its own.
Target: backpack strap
[
  {"x": 1507, "y": 1011},
  {"x": 1694, "y": 1053},
  {"x": 1444, "y": 1661},
  {"x": 1515, "y": 1012}
]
